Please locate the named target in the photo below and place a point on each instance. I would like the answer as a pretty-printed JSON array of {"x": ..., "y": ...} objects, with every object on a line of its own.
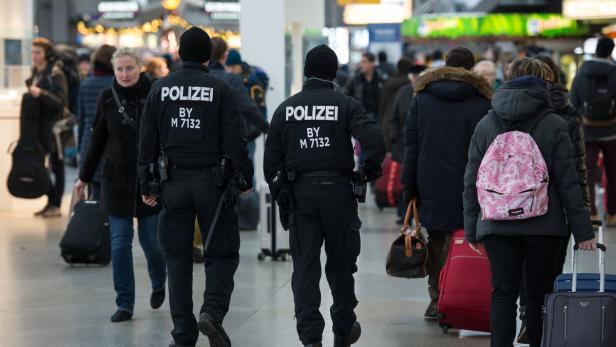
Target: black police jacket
[
  {"x": 312, "y": 131},
  {"x": 196, "y": 119},
  {"x": 113, "y": 145}
]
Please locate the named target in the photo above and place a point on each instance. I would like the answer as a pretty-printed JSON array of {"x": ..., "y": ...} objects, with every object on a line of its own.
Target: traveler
[
  {"x": 385, "y": 68},
  {"x": 560, "y": 100},
  {"x": 114, "y": 145},
  {"x": 193, "y": 119},
  {"x": 101, "y": 78},
  {"x": 487, "y": 70},
  {"x": 593, "y": 94},
  {"x": 85, "y": 66},
  {"x": 449, "y": 102},
  {"x": 525, "y": 246},
  {"x": 156, "y": 67},
  {"x": 48, "y": 84},
  {"x": 437, "y": 59},
  {"x": 390, "y": 88},
  {"x": 397, "y": 120},
  {"x": 308, "y": 165},
  {"x": 366, "y": 86}
]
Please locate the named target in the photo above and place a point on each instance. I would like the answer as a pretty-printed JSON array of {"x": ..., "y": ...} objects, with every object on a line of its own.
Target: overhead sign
[
  {"x": 589, "y": 9},
  {"x": 218, "y": 10},
  {"x": 512, "y": 25},
  {"x": 384, "y": 32},
  {"x": 350, "y": 2},
  {"x": 386, "y": 11},
  {"x": 118, "y": 9}
]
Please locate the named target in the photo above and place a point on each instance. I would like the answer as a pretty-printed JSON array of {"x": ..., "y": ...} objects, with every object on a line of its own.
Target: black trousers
[
  {"x": 511, "y": 256},
  {"x": 324, "y": 212},
  {"x": 608, "y": 148},
  {"x": 54, "y": 196},
  {"x": 186, "y": 194}
]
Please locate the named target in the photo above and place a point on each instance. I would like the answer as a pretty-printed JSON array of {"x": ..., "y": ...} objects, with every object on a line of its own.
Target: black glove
[
  {"x": 373, "y": 173},
  {"x": 284, "y": 207},
  {"x": 407, "y": 195}
]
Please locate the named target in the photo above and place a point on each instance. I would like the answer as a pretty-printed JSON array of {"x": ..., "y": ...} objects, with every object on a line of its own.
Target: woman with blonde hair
[{"x": 114, "y": 144}]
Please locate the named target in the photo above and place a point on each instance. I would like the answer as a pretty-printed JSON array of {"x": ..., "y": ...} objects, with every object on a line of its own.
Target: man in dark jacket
[
  {"x": 595, "y": 74},
  {"x": 449, "y": 103},
  {"x": 248, "y": 109},
  {"x": 366, "y": 86},
  {"x": 48, "y": 85},
  {"x": 390, "y": 89}
]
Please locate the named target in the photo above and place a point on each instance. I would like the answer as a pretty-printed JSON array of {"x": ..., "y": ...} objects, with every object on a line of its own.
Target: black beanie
[
  {"x": 321, "y": 62},
  {"x": 605, "y": 46},
  {"x": 195, "y": 45}
]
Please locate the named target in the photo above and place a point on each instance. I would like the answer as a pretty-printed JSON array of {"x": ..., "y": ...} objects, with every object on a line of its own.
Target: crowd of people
[{"x": 438, "y": 120}]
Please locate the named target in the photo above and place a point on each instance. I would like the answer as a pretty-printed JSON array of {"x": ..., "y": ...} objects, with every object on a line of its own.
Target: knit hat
[
  {"x": 195, "y": 45},
  {"x": 233, "y": 58},
  {"x": 321, "y": 62}
]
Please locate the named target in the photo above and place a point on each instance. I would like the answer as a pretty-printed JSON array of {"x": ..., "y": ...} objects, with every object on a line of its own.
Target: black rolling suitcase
[
  {"x": 87, "y": 239},
  {"x": 581, "y": 318}
]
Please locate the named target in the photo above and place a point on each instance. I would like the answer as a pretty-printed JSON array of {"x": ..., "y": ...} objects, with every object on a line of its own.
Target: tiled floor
[{"x": 44, "y": 302}]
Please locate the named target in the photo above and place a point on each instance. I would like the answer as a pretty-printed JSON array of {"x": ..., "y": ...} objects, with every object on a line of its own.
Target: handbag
[{"x": 408, "y": 255}]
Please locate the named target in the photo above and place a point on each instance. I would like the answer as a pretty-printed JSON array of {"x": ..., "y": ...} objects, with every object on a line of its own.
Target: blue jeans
[{"x": 121, "y": 229}]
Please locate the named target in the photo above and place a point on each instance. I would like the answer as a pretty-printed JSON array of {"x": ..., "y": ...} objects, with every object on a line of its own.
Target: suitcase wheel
[
  {"x": 445, "y": 328},
  {"x": 261, "y": 256}
]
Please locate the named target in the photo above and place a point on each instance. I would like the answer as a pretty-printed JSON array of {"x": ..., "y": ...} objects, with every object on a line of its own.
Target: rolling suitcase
[
  {"x": 465, "y": 288},
  {"x": 87, "y": 239},
  {"x": 388, "y": 188},
  {"x": 586, "y": 282},
  {"x": 273, "y": 238},
  {"x": 581, "y": 318}
]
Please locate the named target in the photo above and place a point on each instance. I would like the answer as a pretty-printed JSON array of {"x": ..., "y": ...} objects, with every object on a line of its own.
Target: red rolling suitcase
[
  {"x": 388, "y": 188},
  {"x": 465, "y": 288}
]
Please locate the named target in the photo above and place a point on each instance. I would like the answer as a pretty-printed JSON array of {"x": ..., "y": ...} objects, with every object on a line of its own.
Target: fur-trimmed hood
[{"x": 430, "y": 78}]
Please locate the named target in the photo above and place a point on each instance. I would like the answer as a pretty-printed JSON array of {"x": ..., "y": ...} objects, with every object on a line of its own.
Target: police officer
[
  {"x": 193, "y": 118},
  {"x": 309, "y": 148}
]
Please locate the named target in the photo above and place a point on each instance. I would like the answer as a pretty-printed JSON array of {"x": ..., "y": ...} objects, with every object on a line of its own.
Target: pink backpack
[{"x": 512, "y": 181}]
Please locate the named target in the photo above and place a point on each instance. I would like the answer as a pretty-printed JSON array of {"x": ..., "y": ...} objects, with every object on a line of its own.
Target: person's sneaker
[
  {"x": 432, "y": 311},
  {"x": 214, "y": 331},
  {"x": 40, "y": 213},
  {"x": 197, "y": 255},
  {"x": 121, "y": 316},
  {"x": 350, "y": 338},
  {"x": 611, "y": 220},
  {"x": 522, "y": 336},
  {"x": 51, "y": 212},
  {"x": 157, "y": 298}
]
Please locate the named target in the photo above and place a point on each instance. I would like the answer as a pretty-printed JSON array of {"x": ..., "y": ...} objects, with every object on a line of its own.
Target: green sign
[{"x": 512, "y": 25}]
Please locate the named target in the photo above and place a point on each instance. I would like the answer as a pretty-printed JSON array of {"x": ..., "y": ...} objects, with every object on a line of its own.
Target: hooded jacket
[
  {"x": 516, "y": 106},
  {"x": 443, "y": 114},
  {"x": 562, "y": 106},
  {"x": 581, "y": 87}
]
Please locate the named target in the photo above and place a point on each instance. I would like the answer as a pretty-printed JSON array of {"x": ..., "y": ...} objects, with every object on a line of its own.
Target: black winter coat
[
  {"x": 516, "y": 106},
  {"x": 560, "y": 101},
  {"x": 114, "y": 144},
  {"x": 368, "y": 93},
  {"x": 388, "y": 94},
  {"x": 53, "y": 100},
  {"x": 397, "y": 119},
  {"x": 448, "y": 105},
  {"x": 581, "y": 87}
]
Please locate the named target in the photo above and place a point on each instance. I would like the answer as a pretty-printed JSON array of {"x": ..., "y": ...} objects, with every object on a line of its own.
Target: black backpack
[
  {"x": 599, "y": 108},
  {"x": 29, "y": 178}
]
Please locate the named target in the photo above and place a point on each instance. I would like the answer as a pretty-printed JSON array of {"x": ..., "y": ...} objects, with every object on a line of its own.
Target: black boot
[
  {"x": 157, "y": 298},
  {"x": 350, "y": 338},
  {"x": 175, "y": 344},
  {"x": 121, "y": 316},
  {"x": 210, "y": 327},
  {"x": 314, "y": 345}
]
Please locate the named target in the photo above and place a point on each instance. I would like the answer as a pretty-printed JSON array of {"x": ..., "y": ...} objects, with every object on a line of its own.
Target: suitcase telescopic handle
[{"x": 602, "y": 249}]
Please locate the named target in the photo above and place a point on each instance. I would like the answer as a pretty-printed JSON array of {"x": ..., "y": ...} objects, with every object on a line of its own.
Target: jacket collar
[
  {"x": 216, "y": 65},
  {"x": 194, "y": 65},
  {"x": 318, "y": 83},
  {"x": 454, "y": 74}
]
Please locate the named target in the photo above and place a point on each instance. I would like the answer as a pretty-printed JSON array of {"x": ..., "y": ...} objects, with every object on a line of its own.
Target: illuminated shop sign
[
  {"x": 589, "y": 9},
  {"x": 223, "y": 10},
  {"x": 513, "y": 25},
  {"x": 118, "y": 9}
]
